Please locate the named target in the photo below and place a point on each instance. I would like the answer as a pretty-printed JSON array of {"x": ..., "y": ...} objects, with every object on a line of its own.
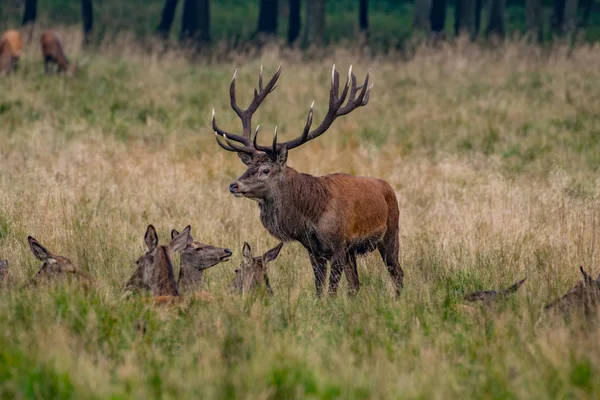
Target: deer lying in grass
[
  {"x": 54, "y": 266},
  {"x": 585, "y": 296},
  {"x": 253, "y": 270},
  {"x": 154, "y": 269},
  {"x": 53, "y": 53},
  {"x": 195, "y": 258},
  {"x": 10, "y": 51},
  {"x": 335, "y": 217},
  {"x": 488, "y": 295},
  {"x": 3, "y": 271}
]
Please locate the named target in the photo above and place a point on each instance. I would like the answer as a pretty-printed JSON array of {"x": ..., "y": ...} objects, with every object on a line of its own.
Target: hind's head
[
  {"x": 252, "y": 272},
  {"x": 201, "y": 256}
]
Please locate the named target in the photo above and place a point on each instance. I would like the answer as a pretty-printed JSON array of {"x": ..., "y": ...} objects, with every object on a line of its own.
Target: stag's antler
[
  {"x": 335, "y": 106},
  {"x": 245, "y": 115}
]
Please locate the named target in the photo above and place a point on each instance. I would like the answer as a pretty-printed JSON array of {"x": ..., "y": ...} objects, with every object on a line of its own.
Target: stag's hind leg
[
  {"x": 389, "y": 248},
  {"x": 351, "y": 273},
  {"x": 319, "y": 265}
]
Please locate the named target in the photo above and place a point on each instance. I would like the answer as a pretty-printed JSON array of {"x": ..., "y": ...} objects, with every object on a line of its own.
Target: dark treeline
[{"x": 316, "y": 22}]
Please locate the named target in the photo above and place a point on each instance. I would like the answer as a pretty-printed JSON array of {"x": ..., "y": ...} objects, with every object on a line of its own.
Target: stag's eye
[{"x": 265, "y": 171}]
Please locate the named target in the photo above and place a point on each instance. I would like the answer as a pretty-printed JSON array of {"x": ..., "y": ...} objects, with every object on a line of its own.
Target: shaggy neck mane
[{"x": 296, "y": 204}]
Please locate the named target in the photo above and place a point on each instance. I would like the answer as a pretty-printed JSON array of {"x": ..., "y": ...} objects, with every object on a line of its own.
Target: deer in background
[
  {"x": 585, "y": 296},
  {"x": 11, "y": 44},
  {"x": 3, "y": 271},
  {"x": 53, "y": 267},
  {"x": 195, "y": 258},
  {"x": 52, "y": 50},
  {"x": 488, "y": 295},
  {"x": 252, "y": 272},
  {"x": 336, "y": 217}
]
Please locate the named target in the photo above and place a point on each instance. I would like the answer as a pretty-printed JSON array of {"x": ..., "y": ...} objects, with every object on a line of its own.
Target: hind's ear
[
  {"x": 39, "y": 251},
  {"x": 3, "y": 265},
  {"x": 586, "y": 277},
  {"x": 151, "y": 238},
  {"x": 247, "y": 251},
  {"x": 272, "y": 254},
  {"x": 174, "y": 232},
  {"x": 181, "y": 240}
]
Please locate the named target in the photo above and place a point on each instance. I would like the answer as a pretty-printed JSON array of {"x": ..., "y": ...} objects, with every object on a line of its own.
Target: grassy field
[{"x": 494, "y": 158}]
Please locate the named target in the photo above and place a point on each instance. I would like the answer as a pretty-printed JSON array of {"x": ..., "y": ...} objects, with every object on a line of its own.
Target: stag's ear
[
  {"x": 272, "y": 254},
  {"x": 181, "y": 240},
  {"x": 282, "y": 154},
  {"x": 247, "y": 251},
  {"x": 151, "y": 238},
  {"x": 246, "y": 158},
  {"x": 39, "y": 251}
]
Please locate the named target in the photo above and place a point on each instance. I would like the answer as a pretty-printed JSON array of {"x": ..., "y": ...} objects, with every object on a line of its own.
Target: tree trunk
[
  {"x": 363, "y": 16},
  {"x": 558, "y": 16},
  {"x": 496, "y": 22},
  {"x": 570, "y": 23},
  {"x": 587, "y": 6},
  {"x": 195, "y": 22},
  {"x": 87, "y": 14},
  {"x": 166, "y": 20},
  {"x": 421, "y": 16},
  {"x": 437, "y": 16},
  {"x": 465, "y": 17},
  {"x": 314, "y": 26},
  {"x": 267, "y": 18},
  {"x": 478, "y": 8},
  {"x": 533, "y": 10},
  {"x": 294, "y": 23},
  {"x": 30, "y": 13}
]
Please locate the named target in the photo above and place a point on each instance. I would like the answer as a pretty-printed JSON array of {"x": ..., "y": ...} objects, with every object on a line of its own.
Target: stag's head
[
  {"x": 267, "y": 164},
  {"x": 199, "y": 255}
]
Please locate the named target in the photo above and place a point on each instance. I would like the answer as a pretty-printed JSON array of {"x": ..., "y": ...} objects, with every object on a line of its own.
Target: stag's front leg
[
  {"x": 338, "y": 263},
  {"x": 319, "y": 265}
]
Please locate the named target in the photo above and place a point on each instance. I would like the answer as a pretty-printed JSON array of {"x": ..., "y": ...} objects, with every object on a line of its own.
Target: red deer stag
[
  {"x": 10, "y": 51},
  {"x": 52, "y": 50},
  {"x": 335, "y": 217}
]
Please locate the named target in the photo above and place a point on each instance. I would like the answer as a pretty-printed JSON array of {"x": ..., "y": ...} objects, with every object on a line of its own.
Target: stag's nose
[
  {"x": 228, "y": 252},
  {"x": 234, "y": 187}
]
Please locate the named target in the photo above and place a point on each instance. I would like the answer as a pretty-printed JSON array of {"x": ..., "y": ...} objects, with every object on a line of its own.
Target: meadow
[{"x": 493, "y": 154}]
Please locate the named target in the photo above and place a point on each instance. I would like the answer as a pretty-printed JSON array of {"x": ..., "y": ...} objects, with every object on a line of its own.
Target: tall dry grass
[{"x": 494, "y": 158}]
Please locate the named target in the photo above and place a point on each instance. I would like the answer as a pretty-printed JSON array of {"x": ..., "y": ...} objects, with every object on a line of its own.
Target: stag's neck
[
  {"x": 190, "y": 278},
  {"x": 295, "y": 207}
]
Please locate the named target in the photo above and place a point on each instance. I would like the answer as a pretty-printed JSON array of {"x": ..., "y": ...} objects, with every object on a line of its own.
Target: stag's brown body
[
  {"x": 335, "y": 217},
  {"x": 10, "y": 50},
  {"x": 53, "y": 53}
]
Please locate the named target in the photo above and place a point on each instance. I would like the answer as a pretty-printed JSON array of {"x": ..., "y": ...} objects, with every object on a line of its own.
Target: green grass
[{"x": 493, "y": 157}]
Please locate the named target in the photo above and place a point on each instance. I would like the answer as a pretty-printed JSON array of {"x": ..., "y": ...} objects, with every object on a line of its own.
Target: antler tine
[
  {"x": 336, "y": 100},
  {"x": 239, "y": 149},
  {"x": 275, "y": 141},
  {"x": 240, "y": 139}
]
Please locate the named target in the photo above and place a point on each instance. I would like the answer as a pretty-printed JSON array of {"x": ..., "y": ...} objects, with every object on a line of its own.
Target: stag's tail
[{"x": 512, "y": 289}]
